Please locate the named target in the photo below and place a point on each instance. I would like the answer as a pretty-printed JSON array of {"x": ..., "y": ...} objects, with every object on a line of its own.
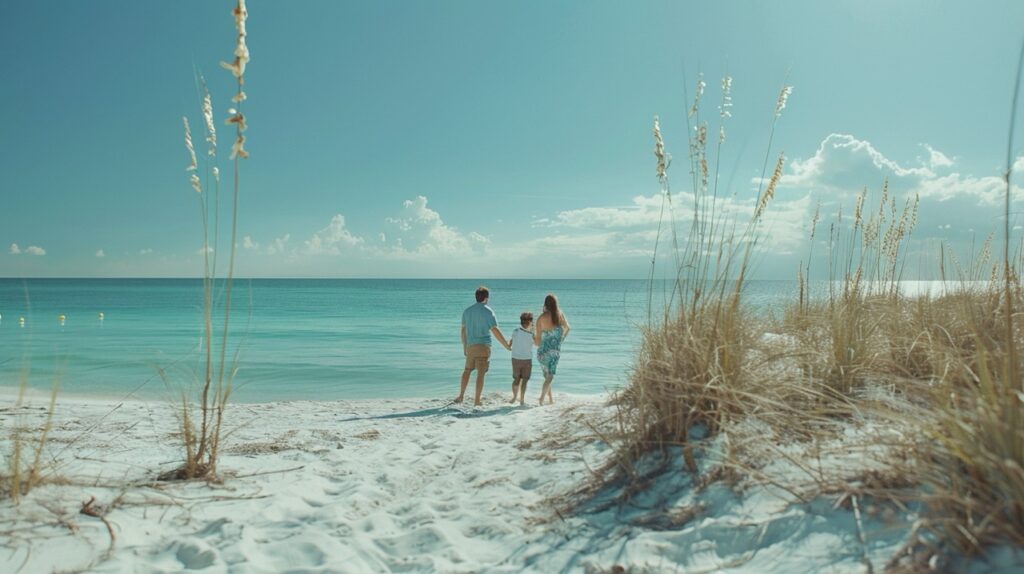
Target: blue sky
[{"x": 483, "y": 139}]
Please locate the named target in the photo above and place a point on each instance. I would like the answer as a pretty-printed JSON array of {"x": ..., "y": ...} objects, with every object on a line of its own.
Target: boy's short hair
[
  {"x": 526, "y": 318},
  {"x": 482, "y": 294}
]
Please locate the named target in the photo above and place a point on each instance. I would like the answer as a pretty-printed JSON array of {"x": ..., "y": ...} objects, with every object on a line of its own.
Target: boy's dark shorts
[{"x": 521, "y": 369}]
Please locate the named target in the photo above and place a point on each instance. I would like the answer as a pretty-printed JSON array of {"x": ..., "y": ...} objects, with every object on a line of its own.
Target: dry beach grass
[{"x": 940, "y": 371}]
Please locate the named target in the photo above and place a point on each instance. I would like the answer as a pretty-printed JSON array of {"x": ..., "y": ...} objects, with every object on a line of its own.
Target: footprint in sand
[
  {"x": 421, "y": 541},
  {"x": 529, "y": 484},
  {"x": 194, "y": 555}
]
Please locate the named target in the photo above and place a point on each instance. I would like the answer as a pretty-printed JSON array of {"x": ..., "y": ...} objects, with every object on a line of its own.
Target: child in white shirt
[{"x": 522, "y": 357}]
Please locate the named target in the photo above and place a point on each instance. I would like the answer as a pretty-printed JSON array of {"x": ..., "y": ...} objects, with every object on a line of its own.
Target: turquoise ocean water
[{"x": 308, "y": 339}]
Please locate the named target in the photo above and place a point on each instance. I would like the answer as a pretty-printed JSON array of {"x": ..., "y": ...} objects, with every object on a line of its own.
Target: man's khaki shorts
[
  {"x": 478, "y": 357},
  {"x": 521, "y": 369}
]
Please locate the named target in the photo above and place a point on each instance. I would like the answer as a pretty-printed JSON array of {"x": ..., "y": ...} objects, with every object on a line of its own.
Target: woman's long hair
[{"x": 551, "y": 306}]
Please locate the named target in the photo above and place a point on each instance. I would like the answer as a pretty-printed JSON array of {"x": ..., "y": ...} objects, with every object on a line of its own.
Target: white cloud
[
  {"x": 279, "y": 245},
  {"x": 204, "y": 250},
  {"x": 645, "y": 211},
  {"x": 146, "y": 251},
  {"x": 419, "y": 229},
  {"x": 937, "y": 159},
  {"x": 249, "y": 243},
  {"x": 591, "y": 245},
  {"x": 30, "y": 250},
  {"x": 987, "y": 190},
  {"x": 100, "y": 253},
  {"x": 845, "y": 164},
  {"x": 784, "y": 222},
  {"x": 333, "y": 238}
]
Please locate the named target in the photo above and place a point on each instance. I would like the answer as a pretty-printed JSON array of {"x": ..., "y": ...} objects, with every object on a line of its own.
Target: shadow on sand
[{"x": 449, "y": 410}]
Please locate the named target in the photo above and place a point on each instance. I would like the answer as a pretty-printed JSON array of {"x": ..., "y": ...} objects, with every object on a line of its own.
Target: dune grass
[
  {"x": 694, "y": 369},
  {"x": 949, "y": 359},
  {"x": 25, "y": 439},
  {"x": 972, "y": 468},
  {"x": 24, "y": 467}
]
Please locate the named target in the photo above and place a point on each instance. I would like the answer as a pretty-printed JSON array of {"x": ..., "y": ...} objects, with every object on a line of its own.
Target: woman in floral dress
[{"x": 552, "y": 329}]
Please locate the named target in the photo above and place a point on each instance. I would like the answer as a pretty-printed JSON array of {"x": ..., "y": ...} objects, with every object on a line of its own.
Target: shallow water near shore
[{"x": 312, "y": 339}]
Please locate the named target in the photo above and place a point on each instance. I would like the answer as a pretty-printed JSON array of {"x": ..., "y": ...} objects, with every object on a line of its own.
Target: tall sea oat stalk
[{"x": 202, "y": 444}]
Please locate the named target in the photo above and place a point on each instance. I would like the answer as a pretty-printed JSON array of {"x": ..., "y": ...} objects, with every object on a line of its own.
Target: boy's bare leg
[
  {"x": 462, "y": 385},
  {"x": 515, "y": 390},
  {"x": 522, "y": 393},
  {"x": 479, "y": 386}
]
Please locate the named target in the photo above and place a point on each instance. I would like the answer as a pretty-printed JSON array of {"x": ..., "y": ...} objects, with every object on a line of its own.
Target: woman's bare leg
[{"x": 546, "y": 389}]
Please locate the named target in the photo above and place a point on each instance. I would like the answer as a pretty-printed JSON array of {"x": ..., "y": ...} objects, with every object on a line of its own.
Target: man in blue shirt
[{"x": 478, "y": 323}]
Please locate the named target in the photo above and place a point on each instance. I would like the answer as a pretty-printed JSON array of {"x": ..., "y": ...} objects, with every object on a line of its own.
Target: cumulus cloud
[
  {"x": 420, "y": 229},
  {"x": 30, "y": 250},
  {"x": 204, "y": 250},
  {"x": 845, "y": 164},
  {"x": 333, "y": 239},
  {"x": 249, "y": 243},
  {"x": 146, "y": 251},
  {"x": 100, "y": 253},
  {"x": 279, "y": 245}
]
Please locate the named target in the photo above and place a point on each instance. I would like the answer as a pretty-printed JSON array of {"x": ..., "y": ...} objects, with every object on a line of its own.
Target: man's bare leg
[
  {"x": 479, "y": 386},
  {"x": 515, "y": 390},
  {"x": 462, "y": 386},
  {"x": 522, "y": 393}
]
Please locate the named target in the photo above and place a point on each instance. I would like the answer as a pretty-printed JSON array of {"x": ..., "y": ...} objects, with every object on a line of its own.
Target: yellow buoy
[
  {"x": 21, "y": 321},
  {"x": 101, "y": 316}
]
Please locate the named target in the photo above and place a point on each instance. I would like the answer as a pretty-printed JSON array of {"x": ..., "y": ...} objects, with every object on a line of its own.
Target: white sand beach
[{"x": 406, "y": 485}]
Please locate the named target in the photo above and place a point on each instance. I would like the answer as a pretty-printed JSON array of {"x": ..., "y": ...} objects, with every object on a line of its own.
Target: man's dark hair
[
  {"x": 482, "y": 294},
  {"x": 526, "y": 318}
]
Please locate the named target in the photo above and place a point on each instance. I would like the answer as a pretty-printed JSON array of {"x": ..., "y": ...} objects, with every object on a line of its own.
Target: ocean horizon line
[{"x": 200, "y": 277}]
